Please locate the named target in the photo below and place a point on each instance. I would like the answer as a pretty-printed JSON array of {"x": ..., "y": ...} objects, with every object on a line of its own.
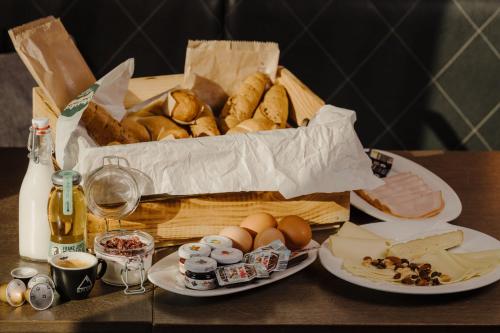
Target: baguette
[
  {"x": 103, "y": 128},
  {"x": 252, "y": 125},
  {"x": 274, "y": 106},
  {"x": 205, "y": 124},
  {"x": 182, "y": 106},
  {"x": 242, "y": 105},
  {"x": 159, "y": 127}
]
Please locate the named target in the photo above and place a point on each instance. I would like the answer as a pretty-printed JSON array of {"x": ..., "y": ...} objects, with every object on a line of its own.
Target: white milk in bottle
[{"x": 34, "y": 231}]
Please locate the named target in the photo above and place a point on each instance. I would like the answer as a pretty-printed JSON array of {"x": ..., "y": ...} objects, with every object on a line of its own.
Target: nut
[
  {"x": 407, "y": 280},
  {"x": 397, "y": 276},
  {"x": 445, "y": 278}
]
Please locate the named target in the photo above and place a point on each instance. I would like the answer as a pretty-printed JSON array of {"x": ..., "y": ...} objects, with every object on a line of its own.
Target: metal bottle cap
[
  {"x": 58, "y": 177},
  {"x": 41, "y": 296},
  {"x": 40, "y": 278}
]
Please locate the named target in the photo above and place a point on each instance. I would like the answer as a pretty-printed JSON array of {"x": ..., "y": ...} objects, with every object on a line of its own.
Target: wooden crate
[{"x": 175, "y": 221}]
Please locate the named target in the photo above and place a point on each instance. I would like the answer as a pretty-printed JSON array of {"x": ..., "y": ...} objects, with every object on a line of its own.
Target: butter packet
[
  {"x": 239, "y": 273},
  {"x": 274, "y": 256}
]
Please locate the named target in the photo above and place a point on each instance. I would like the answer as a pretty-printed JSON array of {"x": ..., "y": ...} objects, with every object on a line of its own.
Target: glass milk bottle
[{"x": 34, "y": 233}]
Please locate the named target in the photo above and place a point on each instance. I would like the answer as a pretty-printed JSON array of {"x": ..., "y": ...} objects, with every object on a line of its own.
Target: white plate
[
  {"x": 165, "y": 274},
  {"x": 452, "y": 204},
  {"x": 473, "y": 241}
]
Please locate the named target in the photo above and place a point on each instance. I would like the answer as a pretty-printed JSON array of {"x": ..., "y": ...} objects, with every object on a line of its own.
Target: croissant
[{"x": 159, "y": 127}]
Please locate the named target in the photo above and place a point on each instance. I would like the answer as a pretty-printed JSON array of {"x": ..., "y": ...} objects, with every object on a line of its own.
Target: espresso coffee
[
  {"x": 74, "y": 273},
  {"x": 72, "y": 263}
]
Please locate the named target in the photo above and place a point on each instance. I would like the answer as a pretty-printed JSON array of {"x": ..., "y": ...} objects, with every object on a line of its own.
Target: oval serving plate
[
  {"x": 452, "y": 204},
  {"x": 473, "y": 241},
  {"x": 165, "y": 274}
]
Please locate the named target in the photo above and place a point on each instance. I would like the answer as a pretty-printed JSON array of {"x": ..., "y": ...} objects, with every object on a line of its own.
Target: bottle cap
[
  {"x": 200, "y": 264},
  {"x": 40, "y": 296},
  {"x": 40, "y": 123},
  {"x": 189, "y": 250},
  {"x": 227, "y": 255}
]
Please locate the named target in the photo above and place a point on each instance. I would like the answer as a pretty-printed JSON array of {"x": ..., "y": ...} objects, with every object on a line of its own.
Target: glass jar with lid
[{"x": 67, "y": 213}]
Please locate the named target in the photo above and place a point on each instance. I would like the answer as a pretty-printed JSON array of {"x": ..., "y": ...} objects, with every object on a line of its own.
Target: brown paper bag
[
  {"x": 51, "y": 56},
  {"x": 214, "y": 69}
]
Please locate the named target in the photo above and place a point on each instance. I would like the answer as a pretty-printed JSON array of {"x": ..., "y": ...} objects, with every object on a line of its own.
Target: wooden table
[{"x": 311, "y": 300}]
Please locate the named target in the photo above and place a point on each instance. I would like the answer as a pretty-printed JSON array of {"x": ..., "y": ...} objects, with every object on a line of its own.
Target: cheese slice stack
[{"x": 418, "y": 247}]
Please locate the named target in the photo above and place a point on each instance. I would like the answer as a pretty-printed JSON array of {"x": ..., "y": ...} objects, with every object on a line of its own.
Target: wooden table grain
[{"x": 311, "y": 300}]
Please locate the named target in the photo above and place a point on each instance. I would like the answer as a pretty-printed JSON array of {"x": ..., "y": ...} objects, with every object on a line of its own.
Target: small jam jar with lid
[
  {"x": 200, "y": 273},
  {"x": 226, "y": 255},
  {"x": 215, "y": 241},
  {"x": 190, "y": 250}
]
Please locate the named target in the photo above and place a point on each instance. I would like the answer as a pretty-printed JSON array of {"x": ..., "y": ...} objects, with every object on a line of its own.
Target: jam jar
[
  {"x": 190, "y": 250},
  {"x": 200, "y": 273},
  {"x": 129, "y": 255}
]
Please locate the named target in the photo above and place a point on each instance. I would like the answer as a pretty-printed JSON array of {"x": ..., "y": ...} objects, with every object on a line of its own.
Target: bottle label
[
  {"x": 56, "y": 248},
  {"x": 68, "y": 193}
]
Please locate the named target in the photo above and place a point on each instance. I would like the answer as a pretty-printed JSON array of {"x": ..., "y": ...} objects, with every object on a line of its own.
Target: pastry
[
  {"x": 160, "y": 127},
  {"x": 205, "y": 124},
  {"x": 241, "y": 106},
  {"x": 103, "y": 128},
  {"x": 252, "y": 125},
  {"x": 274, "y": 106},
  {"x": 182, "y": 106}
]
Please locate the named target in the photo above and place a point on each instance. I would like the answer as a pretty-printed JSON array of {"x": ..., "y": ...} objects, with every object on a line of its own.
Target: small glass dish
[{"x": 128, "y": 255}]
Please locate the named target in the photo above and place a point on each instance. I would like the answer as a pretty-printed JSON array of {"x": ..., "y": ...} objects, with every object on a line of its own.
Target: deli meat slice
[{"x": 405, "y": 195}]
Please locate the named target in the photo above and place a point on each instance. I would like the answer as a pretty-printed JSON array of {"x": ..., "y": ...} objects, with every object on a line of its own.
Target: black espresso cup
[{"x": 74, "y": 273}]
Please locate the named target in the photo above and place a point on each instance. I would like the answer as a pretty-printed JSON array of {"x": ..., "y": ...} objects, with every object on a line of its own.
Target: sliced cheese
[
  {"x": 355, "y": 249},
  {"x": 350, "y": 229},
  {"x": 418, "y": 247}
]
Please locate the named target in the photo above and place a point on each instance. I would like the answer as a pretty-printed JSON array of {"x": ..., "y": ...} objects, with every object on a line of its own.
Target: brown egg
[
  {"x": 241, "y": 238},
  {"x": 267, "y": 236},
  {"x": 296, "y": 230},
  {"x": 256, "y": 223}
]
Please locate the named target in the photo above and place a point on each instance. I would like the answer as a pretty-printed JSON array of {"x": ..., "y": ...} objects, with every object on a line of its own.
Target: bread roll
[
  {"x": 252, "y": 125},
  {"x": 182, "y": 106},
  {"x": 130, "y": 124},
  {"x": 160, "y": 127},
  {"x": 242, "y": 105},
  {"x": 205, "y": 124},
  {"x": 274, "y": 106},
  {"x": 103, "y": 128},
  {"x": 153, "y": 109}
]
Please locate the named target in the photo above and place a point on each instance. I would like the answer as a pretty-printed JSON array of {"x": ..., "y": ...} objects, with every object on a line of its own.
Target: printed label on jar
[
  {"x": 200, "y": 284},
  {"x": 56, "y": 248}
]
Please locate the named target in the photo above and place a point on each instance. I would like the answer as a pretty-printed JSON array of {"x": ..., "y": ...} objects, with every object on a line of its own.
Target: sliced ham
[{"x": 405, "y": 195}]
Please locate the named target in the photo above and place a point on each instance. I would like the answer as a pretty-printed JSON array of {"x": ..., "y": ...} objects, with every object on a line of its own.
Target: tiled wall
[{"x": 421, "y": 74}]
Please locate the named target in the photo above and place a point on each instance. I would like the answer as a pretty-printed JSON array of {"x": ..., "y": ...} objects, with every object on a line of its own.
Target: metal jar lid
[
  {"x": 226, "y": 256},
  {"x": 215, "y": 241},
  {"x": 58, "y": 177},
  {"x": 200, "y": 265},
  {"x": 189, "y": 250}
]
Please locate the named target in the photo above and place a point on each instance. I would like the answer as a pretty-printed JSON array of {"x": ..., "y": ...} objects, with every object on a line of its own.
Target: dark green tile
[
  {"x": 492, "y": 32},
  {"x": 320, "y": 75},
  {"x": 393, "y": 11},
  {"x": 391, "y": 79},
  {"x": 431, "y": 123},
  {"x": 473, "y": 81},
  {"x": 475, "y": 144},
  {"x": 349, "y": 30},
  {"x": 367, "y": 125},
  {"x": 479, "y": 10},
  {"x": 491, "y": 132},
  {"x": 435, "y": 31}
]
